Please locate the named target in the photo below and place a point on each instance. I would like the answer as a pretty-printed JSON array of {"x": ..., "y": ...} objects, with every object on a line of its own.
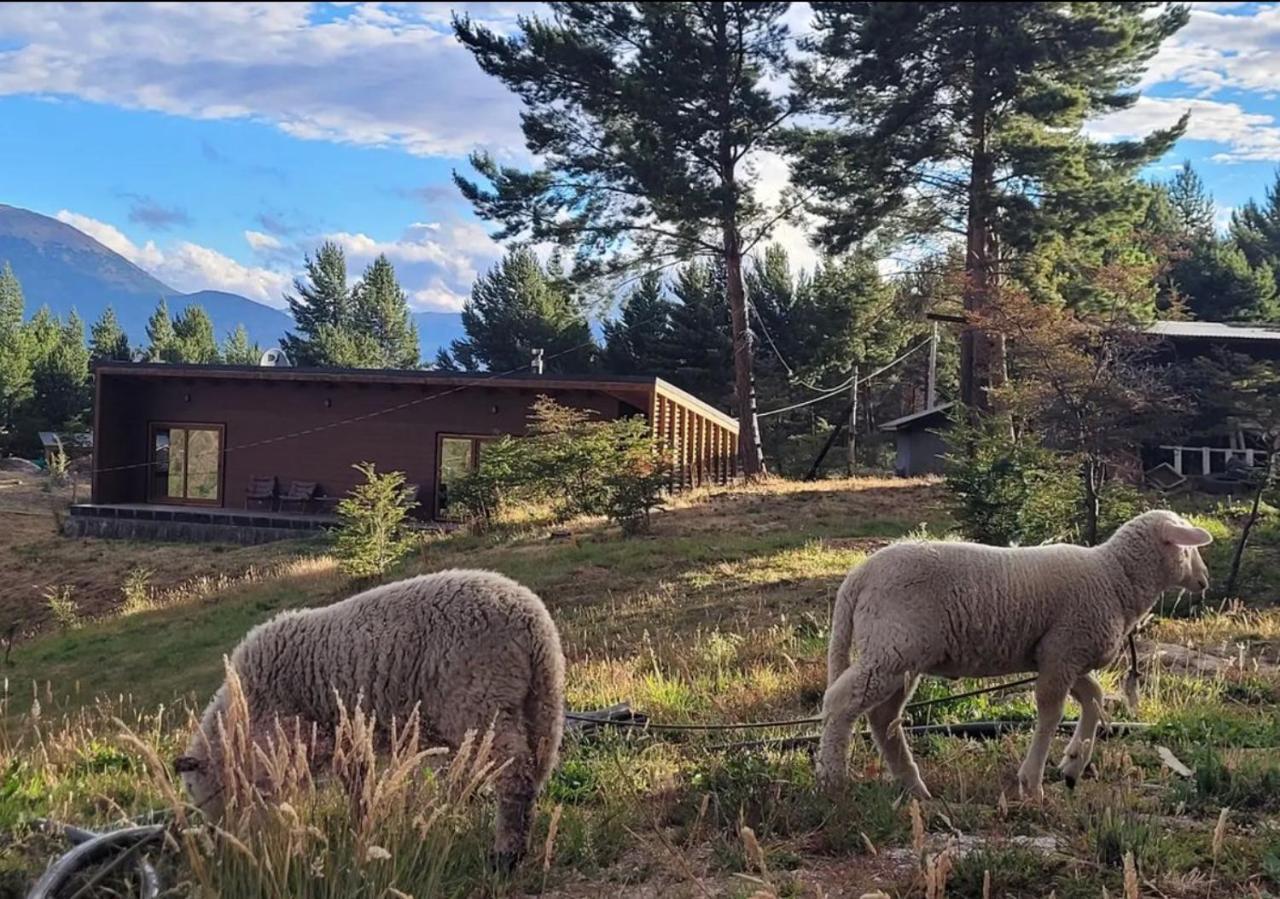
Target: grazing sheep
[
  {"x": 964, "y": 610},
  {"x": 470, "y": 649}
]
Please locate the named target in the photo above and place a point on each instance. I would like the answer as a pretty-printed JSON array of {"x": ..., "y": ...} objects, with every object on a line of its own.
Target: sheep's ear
[
  {"x": 187, "y": 763},
  {"x": 1187, "y": 535}
]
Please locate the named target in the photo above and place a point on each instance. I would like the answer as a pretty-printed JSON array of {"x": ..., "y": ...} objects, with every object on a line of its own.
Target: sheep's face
[
  {"x": 1180, "y": 549},
  {"x": 200, "y": 782}
]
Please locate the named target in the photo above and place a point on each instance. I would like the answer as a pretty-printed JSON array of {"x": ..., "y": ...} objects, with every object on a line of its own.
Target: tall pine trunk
[{"x": 749, "y": 447}]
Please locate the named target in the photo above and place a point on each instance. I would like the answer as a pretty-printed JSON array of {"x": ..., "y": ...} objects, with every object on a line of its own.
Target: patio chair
[
  {"x": 300, "y": 494},
  {"x": 260, "y": 490}
]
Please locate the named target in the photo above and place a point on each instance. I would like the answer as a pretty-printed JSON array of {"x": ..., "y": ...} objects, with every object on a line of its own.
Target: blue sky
[{"x": 214, "y": 144}]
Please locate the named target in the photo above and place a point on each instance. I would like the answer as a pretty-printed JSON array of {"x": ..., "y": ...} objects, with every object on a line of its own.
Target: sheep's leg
[
  {"x": 866, "y": 685},
  {"x": 886, "y": 729},
  {"x": 516, "y": 789},
  {"x": 1051, "y": 695},
  {"x": 1088, "y": 693}
]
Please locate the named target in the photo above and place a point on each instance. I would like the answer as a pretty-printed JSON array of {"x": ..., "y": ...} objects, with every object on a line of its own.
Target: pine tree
[
  {"x": 60, "y": 381},
  {"x": 1191, "y": 204},
  {"x": 193, "y": 335},
  {"x": 519, "y": 306},
  {"x": 323, "y": 299},
  {"x": 108, "y": 342},
  {"x": 162, "y": 342},
  {"x": 15, "y": 354},
  {"x": 238, "y": 350},
  {"x": 1217, "y": 283},
  {"x": 698, "y": 352},
  {"x": 647, "y": 116},
  {"x": 1255, "y": 228},
  {"x": 634, "y": 340},
  {"x": 969, "y": 116},
  {"x": 382, "y": 313},
  {"x": 43, "y": 332}
]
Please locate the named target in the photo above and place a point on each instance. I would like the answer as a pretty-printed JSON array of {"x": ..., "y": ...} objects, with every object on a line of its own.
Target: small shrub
[
  {"x": 497, "y": 481},
  {"x": 1006, "y": 492},
  {"x": 372, "y": 535},
  {"x": 59, "y": 470},
  {"x": 63, "y": 607},
  {"x": 137, "y": 591}
]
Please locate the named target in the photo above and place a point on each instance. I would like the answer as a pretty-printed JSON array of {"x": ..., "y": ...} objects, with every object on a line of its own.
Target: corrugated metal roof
[{"x": 1214, "y": 331}]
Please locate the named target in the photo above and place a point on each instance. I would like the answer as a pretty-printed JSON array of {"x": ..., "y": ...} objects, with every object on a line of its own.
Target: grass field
[{"x": 719, "y": 615}]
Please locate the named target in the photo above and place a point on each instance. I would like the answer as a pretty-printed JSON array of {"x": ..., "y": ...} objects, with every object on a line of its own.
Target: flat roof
[
  {"x": 522, "y": 380},
  {"x": 1214, "y": 331}
]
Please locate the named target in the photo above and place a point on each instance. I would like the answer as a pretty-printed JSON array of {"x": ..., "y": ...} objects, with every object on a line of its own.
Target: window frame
[{"x": 165, "y": 499}]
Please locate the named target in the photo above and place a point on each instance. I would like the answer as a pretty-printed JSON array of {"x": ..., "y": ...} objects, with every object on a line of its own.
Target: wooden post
[
  {"x": 931, "y": 389},
  {"x": 853, "y": 422}
]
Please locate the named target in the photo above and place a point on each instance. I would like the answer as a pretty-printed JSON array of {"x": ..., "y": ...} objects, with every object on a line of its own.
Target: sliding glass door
[{"x": 186, "y": 464}]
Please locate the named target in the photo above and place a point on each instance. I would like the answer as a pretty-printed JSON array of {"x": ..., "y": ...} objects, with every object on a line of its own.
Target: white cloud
[
  {"x": 437, "y": 261},
  {"x": 261, "y": 242},
  {"x": 1219, "y": 49},
  {"x": 1247, "y": 136},
  {"x": 772, "y": 177},
  {"x": 369, "y": 74},
  {"x": 186, "y": 266}
]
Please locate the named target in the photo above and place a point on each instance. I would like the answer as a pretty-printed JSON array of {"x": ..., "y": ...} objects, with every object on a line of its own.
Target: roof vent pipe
[{"x": 537, "y": 360}]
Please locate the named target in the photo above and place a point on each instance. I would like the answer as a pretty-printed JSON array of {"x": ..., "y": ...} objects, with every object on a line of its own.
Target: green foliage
[
  {"x": 381, "y": 312},
  {"x": 15, "y": 355},
  {"x": 1009, "y": 492},
  {"x": 576, "y": 464},
  {"x": 136, "y": 590},
  {"x": 238, "y": 350},
  {"x": 498, "y": 476},
  {"x": 323, "y": 299},
  {"x": 62, "y": 606},
  {"x": 1249, "y": 783},
  {"x": 162, "y": 342},
  {"x": 372, "y": 535},
  {"x": 1216, "y": 283},
  {"x": 193, "y": 337},
  {"x": 518, "y": 306},
  {"x": 1255, "y": 228},
  {"x": 697, "y": 351},
  {"x": 633, "y": 343},
  {"x": 60, "y": 379},
  {"x": 107, "y": 341},
  {"x": 1191, "y": 204}
]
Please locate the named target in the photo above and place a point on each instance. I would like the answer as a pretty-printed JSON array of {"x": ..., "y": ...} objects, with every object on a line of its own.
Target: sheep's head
[
  {"x": 1178, "y": 544},
  {"x": 200, "y": 778}
]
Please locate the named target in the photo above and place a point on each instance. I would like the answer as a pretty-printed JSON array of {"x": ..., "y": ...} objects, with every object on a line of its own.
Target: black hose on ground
[
  {"x": 92, "y": 848},
  {"x": 973, "y": 730}
]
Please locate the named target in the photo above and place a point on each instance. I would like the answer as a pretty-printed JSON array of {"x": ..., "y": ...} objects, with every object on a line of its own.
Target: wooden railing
[{"x": 1251, "y": 457}]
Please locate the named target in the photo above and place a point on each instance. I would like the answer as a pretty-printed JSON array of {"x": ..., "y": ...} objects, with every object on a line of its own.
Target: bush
[
  {"x": 1010, "y": 492},
  {"x": 372, "y": 536},
  {"x": 137, "y": 591},
  {"x": 63, "y": 608},
  {"x": 577, "y": 465},
  {"x": 499, "y": 476}
]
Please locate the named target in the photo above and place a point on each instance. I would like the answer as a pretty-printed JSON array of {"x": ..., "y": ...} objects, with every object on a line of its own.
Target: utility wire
[{"x": 844, "y": 386}]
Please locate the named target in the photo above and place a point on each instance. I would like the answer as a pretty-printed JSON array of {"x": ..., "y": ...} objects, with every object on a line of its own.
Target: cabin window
[
  {"x": 458, "y": 456},
  {"x": 186, "y": 464}
]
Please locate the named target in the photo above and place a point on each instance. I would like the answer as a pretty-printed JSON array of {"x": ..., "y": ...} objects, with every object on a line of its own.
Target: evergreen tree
[
  {"x": 15, "y": 354},
  {"x": 193, "y": 336},
  {"x": 1255, "y": 228},
  {"x": 969, "y": 115},
  {"x": 382, "y": 313},
  {"x": 162, "y": 342},
  {"x": 516, "y": 307},
  {"x": 647, "y": 116},
  {"x": 1191, "y": 204},
  {"x": 238, "y": 350},
  {"x": 323, "y": 299},
  {"x": 108, "y": 342},
  {"x": 633, "y": 342},
  {"x": 43, "y": 332},
  {"x": 60, "y": 380},
  {"x": 1216, "y": 282},
  {"x": 697, "y": 355}
]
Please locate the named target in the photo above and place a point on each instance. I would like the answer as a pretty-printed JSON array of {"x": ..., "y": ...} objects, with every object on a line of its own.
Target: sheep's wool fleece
[
  {"x": 959, "y": 609},
  {"x": 462, "y": 644}
]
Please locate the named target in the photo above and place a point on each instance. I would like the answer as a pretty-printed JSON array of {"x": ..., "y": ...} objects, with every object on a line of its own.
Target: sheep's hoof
[{"x": 1070, "y": 781}]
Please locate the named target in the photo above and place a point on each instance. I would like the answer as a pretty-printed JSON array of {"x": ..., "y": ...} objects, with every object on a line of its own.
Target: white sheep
[
  {"x": 965, "y": 610},
  {"x": 469, "y": 649}
]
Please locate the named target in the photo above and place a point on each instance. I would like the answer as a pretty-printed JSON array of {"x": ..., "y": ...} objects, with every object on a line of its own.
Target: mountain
[{"x": 64, "y": 268}]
